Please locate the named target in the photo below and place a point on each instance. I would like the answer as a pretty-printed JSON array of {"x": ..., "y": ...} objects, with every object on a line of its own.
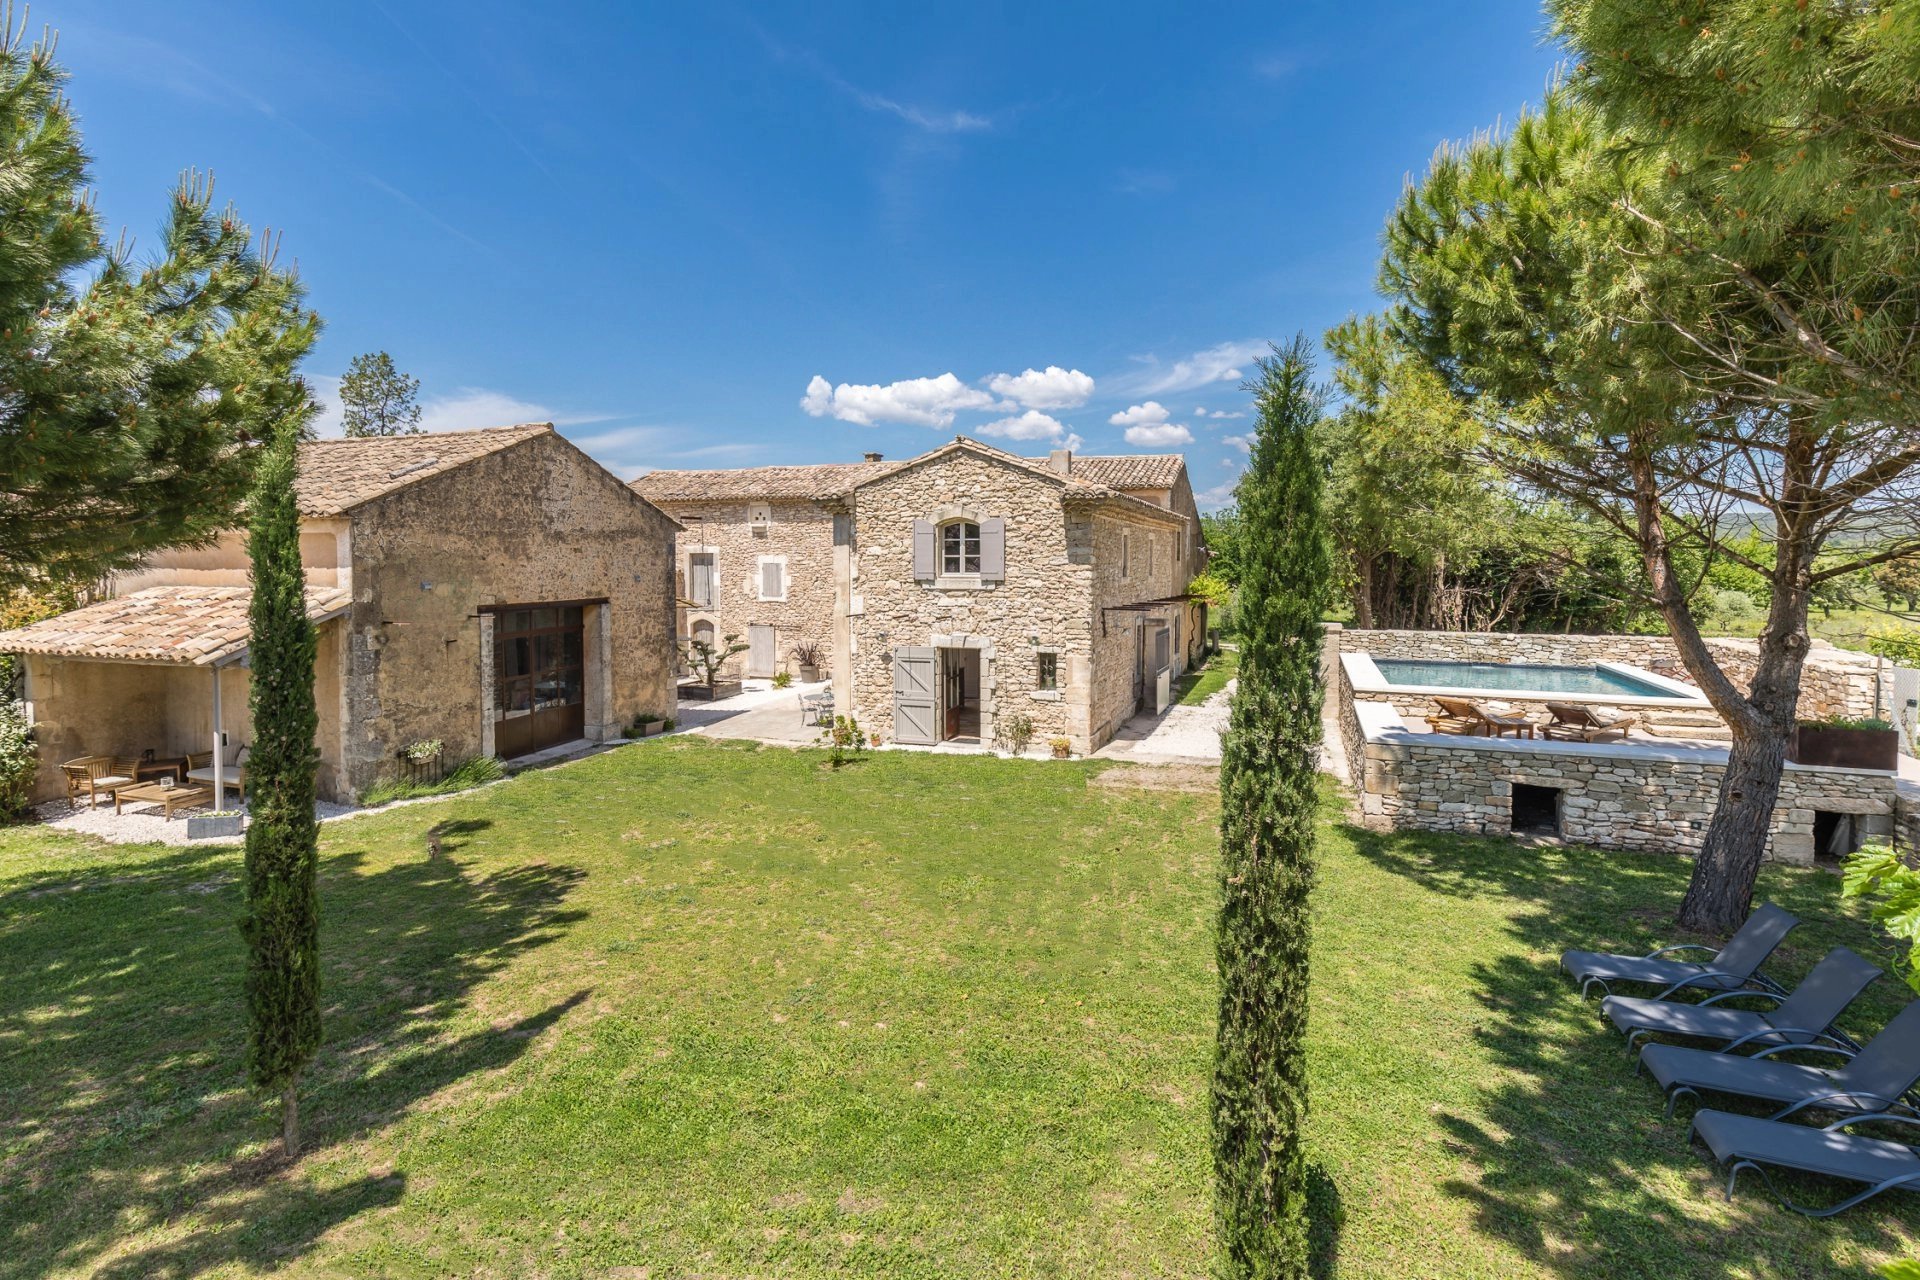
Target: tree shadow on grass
[
  {"x": 123, "y": 1101},
  {"x": 1565, "y": 1154}
]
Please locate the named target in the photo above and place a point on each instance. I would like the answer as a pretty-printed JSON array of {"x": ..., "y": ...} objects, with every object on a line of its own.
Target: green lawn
[
  {"x": 1201, "y": 683},
  {"x": 705, "y": 1009}
]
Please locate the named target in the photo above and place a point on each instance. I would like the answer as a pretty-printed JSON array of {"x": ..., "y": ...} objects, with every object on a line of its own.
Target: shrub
[
  {"x": 1015, "y": 732},
  {"x": 843, "y": 740},
  {"x": 809, "y": 653},
  {"x": 1902, "y": 646},
  {"x": 1848, "y": 722},
  {"x": 1892, "y": 889},
  {"x": 18, "y": 761},
  {"x": 781, "y": 679}
]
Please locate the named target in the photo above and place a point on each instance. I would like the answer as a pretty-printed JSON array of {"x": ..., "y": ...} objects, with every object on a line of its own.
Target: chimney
[
  {"x": 1060, "y": 461},
  {"x": 872, "y": 457}
]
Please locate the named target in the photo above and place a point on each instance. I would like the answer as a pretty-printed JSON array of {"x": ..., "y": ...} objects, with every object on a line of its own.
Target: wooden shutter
[
  {"x": 700, "y": 579},
  {"x": 993, "y": 549},
  {"x": 922, "y": 549},
  {"x": 915, "y": 714},
  {"x": 773, "y": 584}
]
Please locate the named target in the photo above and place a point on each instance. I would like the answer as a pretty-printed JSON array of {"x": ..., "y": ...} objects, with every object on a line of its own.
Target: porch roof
[{"x": 188, "y": 626}]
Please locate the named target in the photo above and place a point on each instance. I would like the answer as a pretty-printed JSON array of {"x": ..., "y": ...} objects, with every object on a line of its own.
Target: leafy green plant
[
  {"x": 1892, "y": 889},
  {"x": 423, "y": 751},
  {"x": 1015, "y": 732},
  {"x": 1847, "y": 722},
  {"x": 1902, "y": 646},
  {"x": 707, "y": 658},
  {"x": 844, "y": 741},
  {"x": 18, "y": 761},
  {"x": 1905, "y": 1269},
  {"x": 781, "y": 679},
  {"x": 473, "y": 772}
]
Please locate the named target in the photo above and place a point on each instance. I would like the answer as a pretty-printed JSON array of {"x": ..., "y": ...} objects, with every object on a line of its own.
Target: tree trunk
[
  {"x": 290, "y": 1119},
  {"x": 1720, "y": 892},
  {"x": 1363, "y": 596}
]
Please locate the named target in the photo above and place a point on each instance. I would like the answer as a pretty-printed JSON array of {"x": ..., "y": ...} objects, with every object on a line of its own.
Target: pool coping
[{"x": 1364, "y": 676}]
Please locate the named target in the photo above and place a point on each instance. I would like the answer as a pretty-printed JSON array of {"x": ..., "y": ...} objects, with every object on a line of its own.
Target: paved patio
[
  {"x": 759, "y": 712},
  {"x": 1181, "y": 735}
]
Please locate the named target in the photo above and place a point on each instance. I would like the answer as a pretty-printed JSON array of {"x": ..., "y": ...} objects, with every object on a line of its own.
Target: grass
[
  {"x": 469, "y": 773},
  {"x": 698, "y": 1008},
  {"x": 1209, "y": 678}
]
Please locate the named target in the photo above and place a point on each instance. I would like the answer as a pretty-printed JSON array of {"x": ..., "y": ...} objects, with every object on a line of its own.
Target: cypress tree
[
  {"x": 282, "y": 851},
  {"x": 1268, "y": 796}
]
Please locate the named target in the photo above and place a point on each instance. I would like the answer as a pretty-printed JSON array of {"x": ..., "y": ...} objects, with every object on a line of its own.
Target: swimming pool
[{"x": 1520, "y": 677}]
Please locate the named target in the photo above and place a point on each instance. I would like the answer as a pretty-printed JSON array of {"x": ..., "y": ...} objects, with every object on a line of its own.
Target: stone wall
[
  {"x": 1149, "y": 569},
  {"x": 538, "y": 522},
  {"x": 1043, "y": 604},
  {"x": 1835, "y": 682},
  {"x": 1655, "y": 798},
  {"x": 801, "y": 532}
]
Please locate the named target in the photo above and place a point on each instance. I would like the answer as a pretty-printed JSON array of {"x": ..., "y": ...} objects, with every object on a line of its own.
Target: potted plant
[
  {"x": 220, "y": 824},
  {"x": 707, "y": 658},
  {"x": 811, "y": 656},
  {"x": 1843, "y": 742},
  {"x": 1062, "y": 747}
]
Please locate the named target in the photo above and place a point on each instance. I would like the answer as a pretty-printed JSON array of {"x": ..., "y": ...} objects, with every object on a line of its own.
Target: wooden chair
[
  {"x": 1463, "y": 716},
  {"x": 1574, "y": 723},
  {"x": 96, "y": 776}
]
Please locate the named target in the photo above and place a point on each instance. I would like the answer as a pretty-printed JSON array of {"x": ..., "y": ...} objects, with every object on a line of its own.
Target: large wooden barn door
[{"x": 539, "y": 689}]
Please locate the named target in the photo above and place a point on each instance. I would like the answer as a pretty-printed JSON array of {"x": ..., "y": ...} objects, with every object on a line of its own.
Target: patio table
[
  {"x": 168, "y": 798},
  {"x": 816, "y": 706}
]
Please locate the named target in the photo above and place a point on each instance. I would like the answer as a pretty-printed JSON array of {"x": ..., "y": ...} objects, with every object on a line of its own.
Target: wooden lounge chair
[
  {"x": 1460, "y": 715},
  {"x": 96, "y": 776},
  {"x": 1573, "y": 723}
]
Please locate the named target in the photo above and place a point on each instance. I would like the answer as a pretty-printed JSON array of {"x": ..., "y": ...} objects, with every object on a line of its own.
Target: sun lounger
[
  {"x": 1573, "y": 723},
  {"x": 1874, "y": 1079},
  {"x": 1749, "y": 1142},
  {"x": 1731, "y": 968},
  {"x": 1804, "y": 1017},
  {"x": 1460, "y": 715}
]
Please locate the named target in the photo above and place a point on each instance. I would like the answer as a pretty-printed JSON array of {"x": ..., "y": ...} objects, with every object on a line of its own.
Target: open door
[{"x": 916, "y": 702}]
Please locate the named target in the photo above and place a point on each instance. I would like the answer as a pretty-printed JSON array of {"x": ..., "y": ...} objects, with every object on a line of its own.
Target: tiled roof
[
  {"x": 197, "y": 626},
  {"x": 824, "y": 480},
  {"x": 1129, "y": 471},
  {"x": 338, "y": 475}
]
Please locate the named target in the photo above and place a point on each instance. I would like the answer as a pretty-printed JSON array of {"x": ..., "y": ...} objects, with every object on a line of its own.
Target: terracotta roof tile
[
  {"x": 823, "y": 480},
  {"x": 1129, "y": 471},
  {"x": 199, "y": 626},
  {"x": 337, "y": 475}
]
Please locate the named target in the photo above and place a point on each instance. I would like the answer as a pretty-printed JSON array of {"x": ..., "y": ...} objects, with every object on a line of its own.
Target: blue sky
[{"x": 721, "y": 236}]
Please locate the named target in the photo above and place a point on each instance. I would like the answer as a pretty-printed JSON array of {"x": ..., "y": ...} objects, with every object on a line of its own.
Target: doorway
[
  {"x": 960, "y": 695},
  {"x": 539, "y": 685},
  {"x": 759, "y": 650}
]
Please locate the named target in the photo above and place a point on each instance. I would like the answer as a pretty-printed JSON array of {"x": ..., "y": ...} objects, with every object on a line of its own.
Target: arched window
[
  {"x": 959, "y": 547},
  {"x": 703, "y": 632}
]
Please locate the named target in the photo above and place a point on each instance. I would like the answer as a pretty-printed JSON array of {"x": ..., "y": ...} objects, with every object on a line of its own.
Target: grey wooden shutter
[
  {"x": 916, "y": 717},
  {"x": 773, "y": 584},
  {"x": 993, "y": 549},
  {"x": 922, "y": 549},
  {"x": 701, "y": 580}
]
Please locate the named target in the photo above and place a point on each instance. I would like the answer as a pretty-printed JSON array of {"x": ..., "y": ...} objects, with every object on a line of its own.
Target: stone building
[
  {"x": 955, "y": 590},
  {"x": 497, "y": 591}
]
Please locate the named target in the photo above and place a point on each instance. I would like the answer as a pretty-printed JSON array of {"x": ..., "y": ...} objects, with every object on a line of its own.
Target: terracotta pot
[{"x": 1835, "y": 747}]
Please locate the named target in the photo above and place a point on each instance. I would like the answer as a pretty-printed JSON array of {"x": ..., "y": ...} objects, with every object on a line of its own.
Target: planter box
[
  {"x": 1836, "y": 748},
  {"x": 710, "y": 692},
  {"x": 809, "y": 675},
  {"x": 216, "y": 826},
  {"x": 652, "y": 727}
]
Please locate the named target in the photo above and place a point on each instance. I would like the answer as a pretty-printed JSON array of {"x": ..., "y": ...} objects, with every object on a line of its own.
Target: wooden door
[
  {"x": 759, "y": 650},
  {"x": 915, "y": 704}
]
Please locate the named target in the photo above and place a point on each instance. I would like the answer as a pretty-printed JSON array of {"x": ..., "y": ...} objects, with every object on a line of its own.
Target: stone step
[{"x": 1714, "y": 732}]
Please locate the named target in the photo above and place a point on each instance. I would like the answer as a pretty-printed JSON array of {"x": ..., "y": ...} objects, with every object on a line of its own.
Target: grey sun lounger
[
  {"x": 1804, "y": 1017},
  {"x": 1874, "y": 1079},
  {"x": 1731, "y": 968},
  {"x": 1748, "y": 1142}
]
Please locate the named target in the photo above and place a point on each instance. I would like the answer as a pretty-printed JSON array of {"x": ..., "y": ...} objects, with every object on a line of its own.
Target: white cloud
[
  {"x": 1055, "y": 388},
  {"x": 326, "y": 393},
  {"x": 1159, "y": 437},
  {"x": 1216, "y": 414},
  {"x": 1223, "y": 363},
  {"x": 1218, "y": 496},
  {"x": 925, "y": 402},
  {"x": 1243, "y": 443},
  {"x": 1031, "y": 425},
  {"x": 1150, "y": 414},
  {"x": 471, "y": 407}
]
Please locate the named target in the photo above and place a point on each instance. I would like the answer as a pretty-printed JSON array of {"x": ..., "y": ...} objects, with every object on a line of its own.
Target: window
[
  {"x": 959, "y": 548},
  {"x": 773, "y": 578},
  {"x": 1047, "y": 676},
  {"x": 1149, "y": 555},
  {"x": 700, "y": 579}
]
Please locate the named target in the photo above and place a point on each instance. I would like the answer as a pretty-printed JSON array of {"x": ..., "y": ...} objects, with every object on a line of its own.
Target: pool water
[{"x": 1518, "y": 677}]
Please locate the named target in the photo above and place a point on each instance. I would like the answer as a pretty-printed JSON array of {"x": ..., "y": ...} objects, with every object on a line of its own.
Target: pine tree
[
  {"x": 379, "y": 400},
  {"x": 282, "y": 845},
  {"x": 131, "y": 389},
  {"x": 1268, "y": 797}
]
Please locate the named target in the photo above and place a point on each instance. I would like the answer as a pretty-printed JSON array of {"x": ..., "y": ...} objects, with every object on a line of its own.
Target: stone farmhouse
[
  {"x": 955, "y": 590},
  {"x": 497, "y": 591}
]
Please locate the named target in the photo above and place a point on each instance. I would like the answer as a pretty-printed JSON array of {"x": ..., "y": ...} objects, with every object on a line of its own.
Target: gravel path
[
  {"x": 1184, "y": 735},
  {"x": 136, "y": 825}
]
